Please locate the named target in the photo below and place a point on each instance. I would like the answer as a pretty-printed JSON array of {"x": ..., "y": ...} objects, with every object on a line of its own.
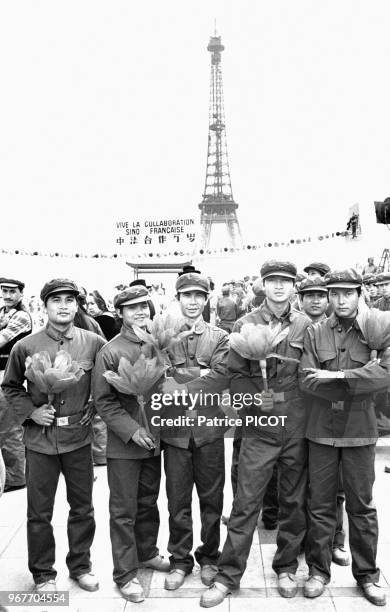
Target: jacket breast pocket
[
  {"x": 359, "y": 354},
  {"x": 326, "y": 356}
]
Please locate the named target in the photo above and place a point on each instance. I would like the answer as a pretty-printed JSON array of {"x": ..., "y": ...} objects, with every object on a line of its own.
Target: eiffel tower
[{"x": 218, "y": 205}]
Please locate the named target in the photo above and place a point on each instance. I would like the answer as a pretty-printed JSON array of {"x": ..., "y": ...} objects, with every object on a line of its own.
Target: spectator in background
[
  {"x": 37, "y": 316},
  {"x": 370, "y": 268},
  {"x": 97, "y": 308},
  {"x": 15, "y": 324},
  {"x": 83, "y": 320},
  {"x": 226, "y": 310},
  {"x": 259, "y": 293}
]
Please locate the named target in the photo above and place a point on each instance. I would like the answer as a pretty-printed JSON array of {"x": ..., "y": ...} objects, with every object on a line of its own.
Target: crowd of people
[{"x": 80, "y": 377}]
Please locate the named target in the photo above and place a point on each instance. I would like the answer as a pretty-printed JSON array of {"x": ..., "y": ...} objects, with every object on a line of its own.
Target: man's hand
[
  {"x": 144, "y": 439},
  {"x": 267, "y": 401},
  {"x": 315, "y": 376},
  {"x": 44, "y": 415},
  {"x": 170, "y": 386},
  {"x": 314, "y": 373},
  {"x": 88, "y": 415}
]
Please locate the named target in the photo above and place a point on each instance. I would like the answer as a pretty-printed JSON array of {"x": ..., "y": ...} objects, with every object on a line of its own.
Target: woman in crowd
[{"x": 97, "y": 308}]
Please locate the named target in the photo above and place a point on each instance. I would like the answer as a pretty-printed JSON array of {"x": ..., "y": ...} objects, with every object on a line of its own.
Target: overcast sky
[{"x": 104, "y": 115}]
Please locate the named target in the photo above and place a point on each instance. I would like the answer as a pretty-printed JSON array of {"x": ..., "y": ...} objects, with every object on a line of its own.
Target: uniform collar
[
  {"x": 129, "y": 333},
  {"x": 57, "y": 335},
  {"x": 200, "y": 326},
  {"x": 335, "y": 322},
  {"x": 268, "y": 315}
]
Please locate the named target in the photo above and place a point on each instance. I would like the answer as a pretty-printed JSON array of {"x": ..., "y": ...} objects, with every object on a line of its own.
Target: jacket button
[
  {"x": 61, "y": 342},
  {"x": 62, "y": 402},
  {"x": 191, "y": 356},
  {"x": 190, "y": 337}
]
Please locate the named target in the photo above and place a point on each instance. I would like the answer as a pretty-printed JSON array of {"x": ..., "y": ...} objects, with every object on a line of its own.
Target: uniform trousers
[
  {"x": 203, "y": 466},
  {"x": 358, "y": 475},
  {"x": 270, "y": 501},
  {"x": 258, "y": 457},
  {"x": 42, "y": 474},
  {"x": 11, "y": 444},
  {"x": 134, "y": 517}
]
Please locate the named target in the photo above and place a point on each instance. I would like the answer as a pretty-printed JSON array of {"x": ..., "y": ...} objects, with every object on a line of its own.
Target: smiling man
[
  {"x": 340, "y": 380},
  {"x": 133, "y": 453},
  {"x": 15, "y": 324},
  {"x": 57, "y": 439},
  {"x": 195, "y": 455}
]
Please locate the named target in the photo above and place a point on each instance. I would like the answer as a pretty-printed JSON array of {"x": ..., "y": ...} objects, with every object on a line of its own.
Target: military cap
[
  {"x": 192, "y": 282},
  {"x": 139, "y": 282},
  {"x": 368, "y": 279},
  {"x": 316, "y": 283},
  {"x": 382, "y": 278},
  {"x": 59, "y": 285},
  {"x": 343, "y": 279},
  {"x": 188, "y": 269},
  {"x": 11, "y": 283},
  {"x": 132, "y": 295},
  {"x": 318, "y": 266},
  {"x": 278, "y": 268}
]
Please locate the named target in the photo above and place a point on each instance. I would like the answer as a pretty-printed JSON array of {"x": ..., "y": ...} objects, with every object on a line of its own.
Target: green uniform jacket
[
  {"x": 206, "y": 349},
  {"x": 282, "y": 375},
  {"x": 119, "y": 411},
  {"x": 83, "y": 346},
  {"x": 353, "y": 422}
]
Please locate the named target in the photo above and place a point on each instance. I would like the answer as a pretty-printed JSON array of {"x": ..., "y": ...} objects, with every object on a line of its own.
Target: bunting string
[{"x": 178, "y": 253}]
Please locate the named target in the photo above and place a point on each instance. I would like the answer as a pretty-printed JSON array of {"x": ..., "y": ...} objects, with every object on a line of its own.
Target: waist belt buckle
[
  {"x": 61, "y": 421},
  {"x": 279, "y": 397},
  {"x": 337, "y": 406}
]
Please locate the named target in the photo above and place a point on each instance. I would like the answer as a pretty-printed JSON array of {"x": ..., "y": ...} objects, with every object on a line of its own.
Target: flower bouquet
[
  {"x": 163, "y": 333},
  {"x": 52, "y": 378},
  {"x": 137, "y": 379},
  {"x": 255, "y": 342}
]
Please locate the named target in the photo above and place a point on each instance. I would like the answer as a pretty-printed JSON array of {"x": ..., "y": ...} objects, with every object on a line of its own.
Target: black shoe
[
  {"x": 9, "y": 488},
  {"x": 387, "y": 469}
]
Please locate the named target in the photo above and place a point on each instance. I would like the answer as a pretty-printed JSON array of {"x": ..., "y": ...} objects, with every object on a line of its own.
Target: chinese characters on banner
[{"x": 156, "y": 233}]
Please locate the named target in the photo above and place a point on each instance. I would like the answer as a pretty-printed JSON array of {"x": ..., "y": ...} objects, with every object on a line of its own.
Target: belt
[
  {"x": 68, "y": 420},
  {"x": 339, "y": 406},
  {"x": 283, "y": 396}
]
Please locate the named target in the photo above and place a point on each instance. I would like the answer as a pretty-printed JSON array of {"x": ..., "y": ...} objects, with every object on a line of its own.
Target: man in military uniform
[
  {"x": 341, "y": 379},
  {"x": 15, "y": 324},
  {"x": 313, "y": 294},
  {"x": 195, "y": 454},
  {"x": 370, "y": 289},
  {"x": 317, "y": 268},
  {"x": 57, "y": 438},
  {"x": 382, "y": 281},
  {"x": 264, "y": 446},
  {"x": 133, "y": 453}
]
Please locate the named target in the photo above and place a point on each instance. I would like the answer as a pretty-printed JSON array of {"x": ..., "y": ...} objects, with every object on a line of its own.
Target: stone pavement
[{"x": 258, "y": 587}]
